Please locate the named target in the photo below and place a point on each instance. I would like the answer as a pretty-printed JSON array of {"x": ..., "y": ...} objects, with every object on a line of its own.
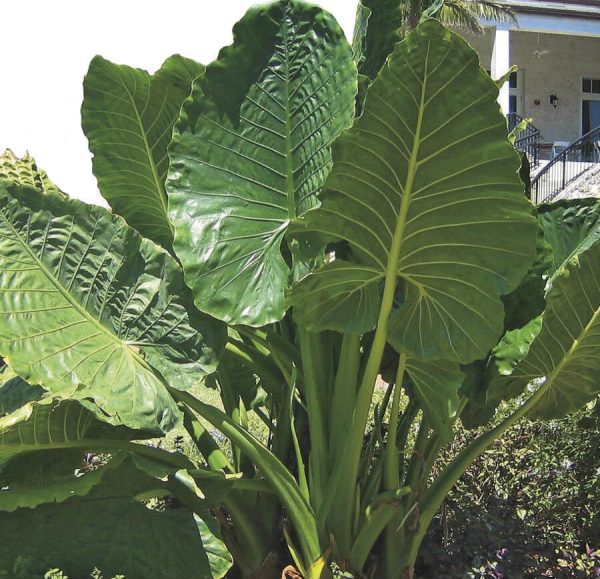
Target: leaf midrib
[
  {"x": 289, "y": 163},
  {"x": 547, "y": 386},
  {"x": 391, "y": 274},
  {"x": 157, "y": 181}
]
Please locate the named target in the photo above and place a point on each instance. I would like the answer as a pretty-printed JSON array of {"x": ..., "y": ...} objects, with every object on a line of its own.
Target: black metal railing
[
  {"x": 513, "y": 119},
  {"x": 527, "y": 140},
  {"x": 567, "y": 166}
]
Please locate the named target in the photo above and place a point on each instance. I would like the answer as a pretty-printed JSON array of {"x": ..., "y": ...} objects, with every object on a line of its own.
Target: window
[
  {"x": 516, "y": 85},
  {"x": 591, "y": 85}
]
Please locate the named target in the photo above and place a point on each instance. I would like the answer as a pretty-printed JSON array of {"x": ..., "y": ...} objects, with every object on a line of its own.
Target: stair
[{"x": 567, "y": 168}]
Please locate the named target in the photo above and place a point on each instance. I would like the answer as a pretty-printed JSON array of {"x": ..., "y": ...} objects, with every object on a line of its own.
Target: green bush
[
  {"x": 528, "y": 507},
  {"x": 27, "y": 568}
]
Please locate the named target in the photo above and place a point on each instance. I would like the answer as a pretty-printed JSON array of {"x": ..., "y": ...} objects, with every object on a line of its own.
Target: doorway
[
  {"x": 590, "y": 104},
  {"x": 590, "y": 115}
]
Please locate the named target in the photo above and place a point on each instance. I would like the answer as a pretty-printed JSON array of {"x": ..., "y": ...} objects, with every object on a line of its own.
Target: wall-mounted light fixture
[{"x": 554, "y": 100}]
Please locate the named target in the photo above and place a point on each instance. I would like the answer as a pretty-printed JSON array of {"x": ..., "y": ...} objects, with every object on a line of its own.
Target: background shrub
[{"x": 528, "y": 508}]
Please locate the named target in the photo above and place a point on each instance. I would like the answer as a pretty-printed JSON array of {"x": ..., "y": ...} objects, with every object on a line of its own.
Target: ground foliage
[{"x": 527, "y": 508}]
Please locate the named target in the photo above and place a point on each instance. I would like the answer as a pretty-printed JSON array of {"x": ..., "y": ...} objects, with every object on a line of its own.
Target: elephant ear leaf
[
  {"x": 89, "y": 309},
  {"x": 24, "y": 171},
  {"x": 128, "y": 117},
  {"x": 570, "y": 226},
  {"x": 377, "y": 29},
  {"x": 251, "y": 151},
  {"x": 528, "y": 300},
  {"x": 425, "y": 192},
  {"x": 110, "y": 528},
  {"x": 562, "y": 361},
  {"x": 39, "y": 440},
  {"x": 436, "y": 385},
  {"x": 49, "y": 477},
  {"x": 40, "y": 422}
]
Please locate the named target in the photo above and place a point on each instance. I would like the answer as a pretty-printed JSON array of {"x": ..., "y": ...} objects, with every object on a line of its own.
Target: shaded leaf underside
[
  {"x": 436, "y": 386},
  {"x": 425, "y": 187},
  {"x": 563, "y": 358},
  {"x": 108, "y": 529}
]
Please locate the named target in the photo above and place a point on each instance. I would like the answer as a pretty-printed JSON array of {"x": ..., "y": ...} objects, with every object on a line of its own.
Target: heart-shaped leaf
[
  {"x": 250, "y": 153},
  {"x": 91, "y": 310},
  {"x": 128, "y": 117},
  {"x": 424, "y": 190},
  {"x": 563, "y": 359}
]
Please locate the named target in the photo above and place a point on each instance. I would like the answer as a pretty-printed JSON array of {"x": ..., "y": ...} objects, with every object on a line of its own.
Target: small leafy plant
[
  {"x": 528, "y": 504},
  {"x": 288, "y": 224}
]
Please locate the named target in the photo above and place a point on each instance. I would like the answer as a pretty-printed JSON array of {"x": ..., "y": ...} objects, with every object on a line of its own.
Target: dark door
[{"x": 591, "y": 115}]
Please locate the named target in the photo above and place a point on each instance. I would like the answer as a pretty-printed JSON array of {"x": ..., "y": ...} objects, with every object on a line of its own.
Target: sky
[{"x": 46, "y": 47}]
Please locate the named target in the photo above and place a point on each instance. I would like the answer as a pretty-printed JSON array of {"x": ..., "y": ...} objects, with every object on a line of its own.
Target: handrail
[
  {"x": 527, "y": 140},
  {"x": 567, "y": 166},
  {"x": 513, "y": 119}
]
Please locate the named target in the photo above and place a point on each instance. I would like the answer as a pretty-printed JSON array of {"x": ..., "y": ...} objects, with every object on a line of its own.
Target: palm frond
[{"x": 469, "y": 13}]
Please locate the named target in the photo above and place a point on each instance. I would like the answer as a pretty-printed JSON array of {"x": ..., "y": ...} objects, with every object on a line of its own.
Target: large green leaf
[
  {"x": 37, "y": 422},
  {"x": 338, "y": 291},
  {"x": 528, "y": 300},
  {"x": 128, "y": 117},
  {"x": 91, "y": 310},
  {"x": 376, "y": 32},
  {"x": 567, "y": 228},
  {"x": 42, "y": 445},
  {"x": 424, "y": 189},
  {"x": 108, "y": 529},
  {"x": 250, "y": 153},
  {"x": 564, "y": 359},
  {"x": 570, "y": 226},
  {"x": 21, "y": 490},
  {"x": 24, "y": 171},
  {"x": 436, "y": 385}
]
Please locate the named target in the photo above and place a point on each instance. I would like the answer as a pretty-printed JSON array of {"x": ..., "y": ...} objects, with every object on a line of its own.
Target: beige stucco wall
[
  {"x": 482, "y": 43},
  {"x": 559, "y": 72}
]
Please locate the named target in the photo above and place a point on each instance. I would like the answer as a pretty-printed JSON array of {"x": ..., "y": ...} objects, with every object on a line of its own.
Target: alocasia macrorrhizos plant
[{"x": 304, "y": 250}]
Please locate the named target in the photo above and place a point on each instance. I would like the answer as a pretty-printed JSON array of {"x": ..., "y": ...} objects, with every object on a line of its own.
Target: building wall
[
  {"x": 559, "y": 72},
  {"x": 482, "y": 43}
]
